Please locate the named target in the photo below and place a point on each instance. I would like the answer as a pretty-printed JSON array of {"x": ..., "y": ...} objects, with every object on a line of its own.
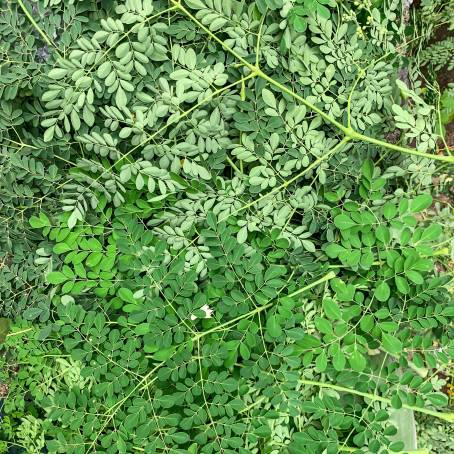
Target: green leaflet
[{"x": 382, "y": 292}]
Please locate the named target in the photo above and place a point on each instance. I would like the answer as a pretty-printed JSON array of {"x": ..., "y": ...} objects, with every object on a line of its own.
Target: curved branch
[{"x": 348, "y": 131}]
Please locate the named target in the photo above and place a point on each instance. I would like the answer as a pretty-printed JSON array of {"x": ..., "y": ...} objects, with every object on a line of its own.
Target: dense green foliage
[
  {"x": 435, "y": 435},
  {"x": 215, "y": 232},
  {"x": 439, "y": 53}
]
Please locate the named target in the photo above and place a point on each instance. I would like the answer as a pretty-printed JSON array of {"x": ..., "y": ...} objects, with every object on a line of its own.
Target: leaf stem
[
  {"x": 259, "y": 37},
  {"x": 253, "y": 404},
  {"x": 348, "y": 131},
  {"x": 256, "y": 311},
  {"x": 391, "y": 146},
  {"x": 19, "y": 332},
  {"x": 303, "y": 101},
  {"x": 443, "y": 251},
  {"x": 408, "y": 451},
  {"x": 184, "y": 114},
  {"x": 350, "y": 95},
  {"x": 440, "y": 124},
  {"x": 179, "y": 6},
  {"x": 411, "y": 451},
  {"x": 440, "y": 415},
  {"x": 131, "y": 30},
  {"x": 37, "y": 27},
  {"x": 293, "y": 179},
  {"x": 229, "y": 160}
]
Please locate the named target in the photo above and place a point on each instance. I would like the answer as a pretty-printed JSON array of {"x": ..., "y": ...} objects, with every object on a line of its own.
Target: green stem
[
  {"x": 255, "y": 69},
  {"x": 229, "y": 160},
  {"x": 36, "y": 26},
  {"x": 302, "y": 100},
  {"x": 348, "y": 132},
  {"x": 145, "y": 381},
  {"x": 257, "y": 310},
  {"x": 208, "y": 98},
  {"x": 444, "y": 251},
  {"x": 416, "y": 451},
  {"x": 440, "y": 415},
  {"x": 327, "y": 277},
  {"x": 411, "y": 451},
  {"x": 131, "y": 30},
  {"x": 391, "y": 146},
  {"x": 349, "y": 101},
  {"x": 293, "y": 179},
  {"x": 179, "y": 6},
  {"x": 440, "y": 124},
  {"x": 259, "y": 37},
  {"x": 253, "y": 404},
  {"x": 19, "y": 332}
]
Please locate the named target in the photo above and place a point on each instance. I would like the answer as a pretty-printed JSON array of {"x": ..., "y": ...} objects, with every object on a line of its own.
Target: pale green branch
[
  {"x": 37, "y": 27},
  {"x": 440, "y": 415},
  {"x": 348, "y": 131}
]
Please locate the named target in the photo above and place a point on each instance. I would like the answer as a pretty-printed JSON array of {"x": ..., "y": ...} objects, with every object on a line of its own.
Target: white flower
[{"x": 205, "y": 308}]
